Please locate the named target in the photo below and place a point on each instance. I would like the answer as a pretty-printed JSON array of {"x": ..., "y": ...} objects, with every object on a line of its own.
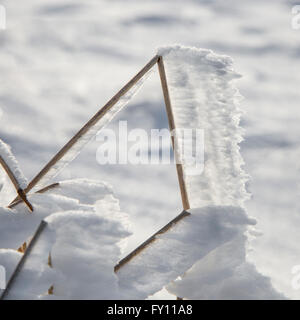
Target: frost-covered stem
[
  {"x": 21, "y": 263},
  {"x": 90, "y": 124},
  {"x": 16, "y": 184},
  {"x": 143, "y": 246},
  {"x": 172, "y": 127},
  {"x": 10, "y": 173}
]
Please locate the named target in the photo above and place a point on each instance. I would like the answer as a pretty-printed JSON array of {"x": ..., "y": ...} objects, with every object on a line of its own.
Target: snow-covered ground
[{"x": 60, "y": 61}]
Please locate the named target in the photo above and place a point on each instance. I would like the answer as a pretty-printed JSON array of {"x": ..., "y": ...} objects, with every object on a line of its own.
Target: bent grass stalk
[{"x": 15, "y": 182}]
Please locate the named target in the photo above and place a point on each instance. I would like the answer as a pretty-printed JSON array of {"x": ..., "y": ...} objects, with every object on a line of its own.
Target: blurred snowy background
[{"x": 60, "y": 61}]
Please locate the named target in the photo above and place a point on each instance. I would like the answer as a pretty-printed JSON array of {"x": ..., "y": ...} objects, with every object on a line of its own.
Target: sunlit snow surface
[{"x": 62, "y": 60}]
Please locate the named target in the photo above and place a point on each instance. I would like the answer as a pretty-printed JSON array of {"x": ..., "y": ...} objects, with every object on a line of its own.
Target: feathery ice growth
[{"x": 203, "y": 256}]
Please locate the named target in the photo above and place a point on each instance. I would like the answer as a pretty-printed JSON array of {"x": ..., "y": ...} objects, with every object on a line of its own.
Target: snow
[
  {"x": 175, "y": 251},
  {"x": 225, "y": 274},
  {"x": 85, "y": 235},
  {"x": 86, "y": 261},
  {"x": 203, "y": 96},
  {"x": 84, "y": 249},
  {"x": 35, "y": 276},
  {"x": 18, "y": 226},
  {"x": 9, "y": 259}
]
